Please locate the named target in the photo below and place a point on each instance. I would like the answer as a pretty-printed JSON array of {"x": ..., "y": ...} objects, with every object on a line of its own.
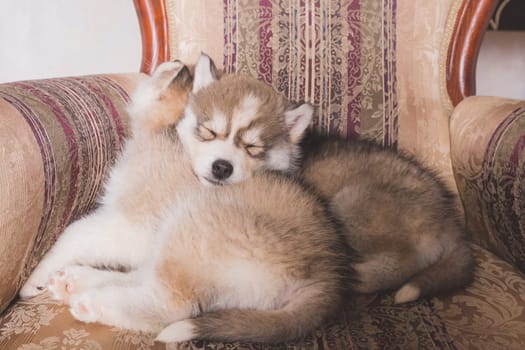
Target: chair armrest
[
  {"x": 488, "y": 158},
  {"x": 57, "y": 140}
]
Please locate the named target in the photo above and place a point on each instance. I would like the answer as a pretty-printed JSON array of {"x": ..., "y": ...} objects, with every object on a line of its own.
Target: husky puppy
[
  {"x": 257, "y": 260},
  {"x": 398, "y": 216}
]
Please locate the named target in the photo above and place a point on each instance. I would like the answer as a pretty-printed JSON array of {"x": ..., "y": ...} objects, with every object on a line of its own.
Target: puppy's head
[
  {"x": 236, "y": 125},
  {"x": 159, "y": 101}
]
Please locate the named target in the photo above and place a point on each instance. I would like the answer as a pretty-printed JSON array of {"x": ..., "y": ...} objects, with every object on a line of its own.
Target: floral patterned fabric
[
  {"x": 489, "y": 314},
  {"x": 58, "y": 139},
  {"x": 488, "y": 154}
]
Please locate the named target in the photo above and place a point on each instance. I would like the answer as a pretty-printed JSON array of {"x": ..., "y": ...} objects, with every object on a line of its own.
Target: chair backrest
[{"x": 390, "y": 70}]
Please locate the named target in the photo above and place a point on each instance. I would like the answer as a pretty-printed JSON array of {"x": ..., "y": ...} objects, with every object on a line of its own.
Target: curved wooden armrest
[{"x": 462, "y": 57}]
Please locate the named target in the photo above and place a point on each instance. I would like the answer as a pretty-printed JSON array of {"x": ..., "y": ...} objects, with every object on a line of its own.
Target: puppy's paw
[
  {"x": 84, "y": 307},
  {"x": 62, "y": 284},
  {"x": 407, "y": 293}
]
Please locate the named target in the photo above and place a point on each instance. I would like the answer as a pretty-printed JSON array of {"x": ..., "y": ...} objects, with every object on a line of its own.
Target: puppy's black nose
[{"x": 221, "y": 169}]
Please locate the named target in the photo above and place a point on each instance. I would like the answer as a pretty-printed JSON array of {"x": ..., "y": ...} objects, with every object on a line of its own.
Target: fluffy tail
[
  {"x": 453, "y": 270},
  {"x": 298, "y": 318}
]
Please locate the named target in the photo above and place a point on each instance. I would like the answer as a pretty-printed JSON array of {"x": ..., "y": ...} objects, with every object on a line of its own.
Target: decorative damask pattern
[
  {"x": 71, "y": 339},
  {"x": 503, "y": 186},
  {"x": 28, "y": 320},
  {"x": 489, "y": 314},
  {"x": 488, "y": 154},
  {"x": 338, "y": 55}
]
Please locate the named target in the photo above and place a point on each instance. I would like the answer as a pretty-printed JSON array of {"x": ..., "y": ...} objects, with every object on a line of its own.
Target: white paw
[
  {"x": 62, "y": 284},
  {"x": 85, "y": 308},
  {"x": 177, "y": 332},
  {"x": 406, "y": 294}
]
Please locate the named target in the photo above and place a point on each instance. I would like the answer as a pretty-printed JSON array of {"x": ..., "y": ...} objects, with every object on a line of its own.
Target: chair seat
[{"x": 488, "y": 314}]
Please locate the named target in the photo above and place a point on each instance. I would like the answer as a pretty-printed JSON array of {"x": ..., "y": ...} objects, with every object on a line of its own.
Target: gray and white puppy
[{"x": 398, "y": 215}]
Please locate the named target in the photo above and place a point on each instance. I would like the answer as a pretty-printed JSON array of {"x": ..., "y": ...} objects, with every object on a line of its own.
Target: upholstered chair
[{"x": 400, "y": 72}]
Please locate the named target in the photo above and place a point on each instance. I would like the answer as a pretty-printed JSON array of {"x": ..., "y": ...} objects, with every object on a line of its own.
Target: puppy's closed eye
[
  {"x": 254, "y": 150},
  {"x": 205, "y": 134}
]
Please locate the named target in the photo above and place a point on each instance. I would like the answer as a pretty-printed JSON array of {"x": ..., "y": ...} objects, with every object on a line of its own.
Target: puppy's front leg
[
  {"x": 76, "y": 279},
  {"x": 102, "y": 238}
]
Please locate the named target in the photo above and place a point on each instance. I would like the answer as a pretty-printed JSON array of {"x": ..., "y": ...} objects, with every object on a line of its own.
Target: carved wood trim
[
  {"x": 462, "y": 57},
  {"x": 153, "y": 22}
]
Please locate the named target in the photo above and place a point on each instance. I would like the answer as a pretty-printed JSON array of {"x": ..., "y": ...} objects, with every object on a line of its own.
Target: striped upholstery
[
  {"x": 337, "y": 55},
  {"x": 59, "y": 138}
]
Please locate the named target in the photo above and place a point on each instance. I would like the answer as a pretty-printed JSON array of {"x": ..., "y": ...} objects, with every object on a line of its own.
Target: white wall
[
  {"x": 501, "y": 65},
  {"x": 50, "y": 38}
]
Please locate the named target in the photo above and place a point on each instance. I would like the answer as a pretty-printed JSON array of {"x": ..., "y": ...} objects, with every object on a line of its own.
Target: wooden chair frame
[{"x": 473, "y": 18}]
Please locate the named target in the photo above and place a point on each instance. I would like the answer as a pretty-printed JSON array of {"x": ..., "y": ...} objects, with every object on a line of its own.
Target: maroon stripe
[
  {"x": 82, "y": 104},
  {"x": 520, "y": 145},
  {"x": 322, "y": 60},
  {"x": 265, "y": 34},
  {"x": 309, "y": 51},
  {"x": 315, "y": 46},
  {"x": 70, "y": 139},
  {"x": 300, "y": 54},
  {"x": 225, "y": 13},
  {"x": 230, "y": 36},
  {"x": 96, "y": 122},
  {"x": 125, "y": 97},
  {"x": 354, "y": 70},
  {"x": 386, "y": 75},
  {"x": 389, "y": 77},
  {"x": 111, "y": 107},
  {"x": 517, "y": 151},
  {"x": 492, "y": 146},
  {"x": 48, "y": 162}
]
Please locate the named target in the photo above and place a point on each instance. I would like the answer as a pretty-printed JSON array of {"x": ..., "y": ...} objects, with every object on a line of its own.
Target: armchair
[{"x": 398, "y": 71}]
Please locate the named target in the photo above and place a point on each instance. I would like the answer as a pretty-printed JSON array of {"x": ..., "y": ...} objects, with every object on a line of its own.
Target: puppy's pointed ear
[
  {"x": 166, "y": 68},
  {"x": 297, "y": 120},
  {"x": 205, "y": 72},
  {"x": 183, "y": 79},
  {"x": 168, "y": 73},
  {"x": 159, "y": 102}
]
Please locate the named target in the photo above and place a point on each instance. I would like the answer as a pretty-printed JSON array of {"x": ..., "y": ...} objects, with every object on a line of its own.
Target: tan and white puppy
[
  {"x": 258, "y": 260},
  {"x": 235, "y": 126},
  {"x": 226, "y": 142}
]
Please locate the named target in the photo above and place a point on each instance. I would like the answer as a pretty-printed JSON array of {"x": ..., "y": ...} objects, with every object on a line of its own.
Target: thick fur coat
[{"x": 397, "y": 214}]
